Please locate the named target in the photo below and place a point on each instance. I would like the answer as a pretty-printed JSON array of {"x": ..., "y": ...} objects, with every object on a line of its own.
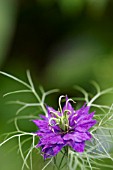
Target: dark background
[{"x": 63, "y": 43}]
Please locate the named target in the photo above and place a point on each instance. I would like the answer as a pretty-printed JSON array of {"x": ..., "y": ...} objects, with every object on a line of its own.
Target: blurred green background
[{"x": 63, "y": 43}]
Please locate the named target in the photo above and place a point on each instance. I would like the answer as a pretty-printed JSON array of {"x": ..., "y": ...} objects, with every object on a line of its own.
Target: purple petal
[
  {"x": 78, "y": 147},
  {"x": 52, "y": 150},
  {"x": 77, "y": 136},
  {"x": 81, "y": 114},
  {"x": 68, "y": 106},
  {"x": 50, "y": 110},
  {"x": 45, "y": 135},
  {"x": 54, "y": 139},
  {"x": 82, "y": 111},
  {"x": 43, "y": 117},
  {"x": 85, "y": 118},
  {"x": 72, "y": 137},
  {"x": 41, "y": 123},
  {"x": 48, "y": 153},
  {"x": 57, "y": 149},
  {"x": 86, "y": 126}
]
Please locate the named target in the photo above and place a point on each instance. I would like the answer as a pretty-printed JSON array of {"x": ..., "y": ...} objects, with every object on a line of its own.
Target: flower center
[{"x": 62, "y": 121}]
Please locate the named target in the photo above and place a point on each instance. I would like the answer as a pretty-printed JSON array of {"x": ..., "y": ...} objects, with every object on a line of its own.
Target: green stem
[{"x": 62, "y": 160}]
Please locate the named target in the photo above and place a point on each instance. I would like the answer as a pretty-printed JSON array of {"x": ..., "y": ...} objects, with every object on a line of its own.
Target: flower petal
[
  {"x": 82, "y": 111},
  {"x": 85, "y": 118},
  {"x": 40, "y": 123},
  {"x": 68, "y": 106},
  {"x": 77, "y": 136},
  {"x": 45, "y": 135},
  {"x": 48, "y": 153},
  {"x": 86, "y": 126},
  {"x": 53, "y": 138},
  {"x": 43, "y": 117},
  {"x": 50, "y": 110},
  {"x": 43, "y": 125},
  {"x": 57, "y": 149},
  {"x": 78, "y": 147},
  {"x": 48, "y": 140},
  {"x": 79, "y": 115},
  {"x": 52, "y": 150}
]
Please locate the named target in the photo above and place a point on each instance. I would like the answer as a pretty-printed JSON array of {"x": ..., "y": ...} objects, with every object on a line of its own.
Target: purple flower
[{"x": 64, "y": 127}]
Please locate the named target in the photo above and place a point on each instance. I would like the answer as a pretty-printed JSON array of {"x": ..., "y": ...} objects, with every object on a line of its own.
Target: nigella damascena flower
[{"x": 65, "y": 127}]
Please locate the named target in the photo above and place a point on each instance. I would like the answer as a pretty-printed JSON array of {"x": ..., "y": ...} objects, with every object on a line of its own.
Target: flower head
[{"x": 64, "y": 127}]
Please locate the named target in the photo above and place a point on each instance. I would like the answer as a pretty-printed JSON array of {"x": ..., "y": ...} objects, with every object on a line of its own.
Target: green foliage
[
  {"x": 71, "y": 7},
  {"x": 96, "y": 150},
  {"x": 7, "y": 24}
]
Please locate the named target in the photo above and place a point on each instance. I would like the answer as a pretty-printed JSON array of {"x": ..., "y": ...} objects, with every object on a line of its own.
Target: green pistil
[
  {"x": 61, "y": 121},
  {"x": 64, "y": 122}
]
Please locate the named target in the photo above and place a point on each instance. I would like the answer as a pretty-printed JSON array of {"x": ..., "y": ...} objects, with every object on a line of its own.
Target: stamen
[
  {"x": 68, "y": 111},
  {"x": 60, "y": 98},
  {"x": 55, "y": 114},
  {"x": 74, "y": 115},
  {"x": 75, "y": 121},
  {"x": 68, "y": 101},
  {"x": 53, "y": 119},
  {"x": 52, "y": 130}
]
